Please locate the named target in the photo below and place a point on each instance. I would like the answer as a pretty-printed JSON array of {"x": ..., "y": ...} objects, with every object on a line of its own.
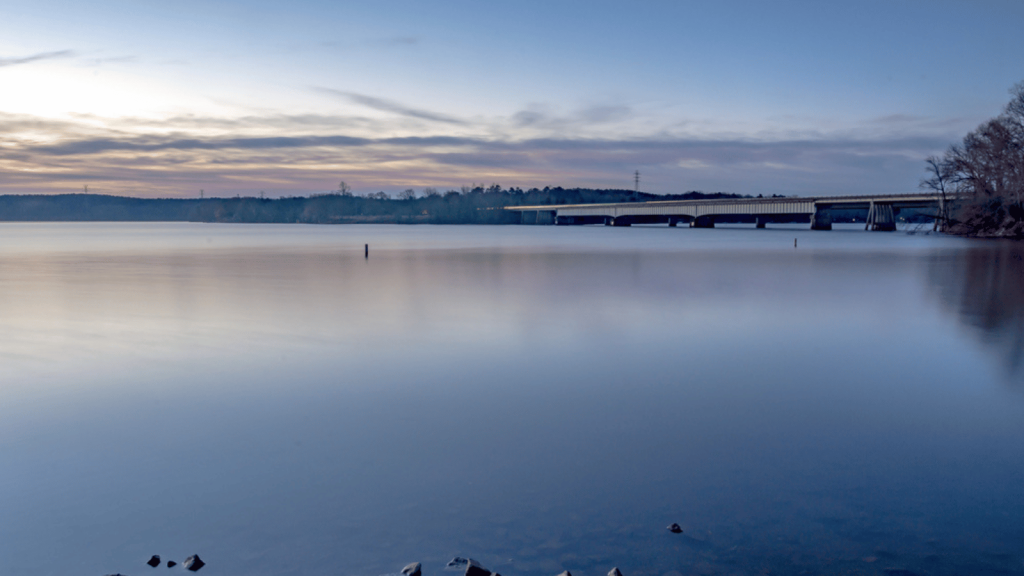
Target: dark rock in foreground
[
  {"x": 171, "y": 563},
  {"x": 154, "y": 561},
  {"x": 193, "y": 563},
  {"x": 566, "y": 573},
  {"x": 614, "y": 572},
  {"x": 675, "y": 529},
  {"x": 473, "y": 568},
  {"x": 414, "y": 569}
]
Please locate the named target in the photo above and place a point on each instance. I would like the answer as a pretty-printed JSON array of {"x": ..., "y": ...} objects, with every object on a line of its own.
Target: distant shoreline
[
  {"x": 469, "y": 206},
  {"x": 477, "y": 206}
]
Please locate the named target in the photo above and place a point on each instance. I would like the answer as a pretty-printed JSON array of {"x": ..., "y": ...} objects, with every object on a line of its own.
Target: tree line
[
  {"x": 469, "y": 205},
  {"x": 983, "y": 176}
]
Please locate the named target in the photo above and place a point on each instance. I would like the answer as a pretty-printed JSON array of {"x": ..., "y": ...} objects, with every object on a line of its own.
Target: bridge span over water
[{"x": 881, "y": 211}]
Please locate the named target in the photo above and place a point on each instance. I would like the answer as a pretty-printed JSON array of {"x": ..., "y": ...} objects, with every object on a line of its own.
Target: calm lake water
[{"x": 536, "y": 398}]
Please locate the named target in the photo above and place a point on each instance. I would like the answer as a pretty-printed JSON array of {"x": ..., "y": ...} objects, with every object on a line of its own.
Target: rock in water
[
  {"x": 473, "y": 568},
  {"x": 457, "y": 562},
  {"x": 675, "y": 529},
  {"x": 414, "y": 569},
  {"x": 614, "y": 572},
  {"x": 171, "y": 563},
  {"x": 566, "y": 573},
  {"x": 154, "y": 561},
  {"x": 193, "y": 563}
]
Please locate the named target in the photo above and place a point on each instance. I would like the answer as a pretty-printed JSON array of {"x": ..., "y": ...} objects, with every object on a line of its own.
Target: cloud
[
  {"x": 298, "y": 154},
  {"x": 537, "y": 116},
  {"x": 390, "y": 106},
  {"x": 37, "y": 57},
  {"x": 157, "y": 144}
]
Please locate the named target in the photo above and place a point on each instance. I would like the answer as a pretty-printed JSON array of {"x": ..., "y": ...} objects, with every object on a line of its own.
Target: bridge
[{"x": 881, "y": 211}]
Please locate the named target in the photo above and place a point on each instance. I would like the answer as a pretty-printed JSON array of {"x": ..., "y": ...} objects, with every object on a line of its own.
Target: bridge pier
[
  {"x": 941, "y": 218},
  {"x": 761, "y": 221},
  {"x": 821, "y": 219},
  {"x": 703, "y": 222},
  {"x": 881, "y": 218},
  {"x": 537, "y": 217},
  {"x": 672, "y": 222}
]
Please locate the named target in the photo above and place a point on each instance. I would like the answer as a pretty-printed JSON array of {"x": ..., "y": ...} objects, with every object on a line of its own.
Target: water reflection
[
  {"x": 534, "y": 399},
  {"x": 984, "y": 286}
]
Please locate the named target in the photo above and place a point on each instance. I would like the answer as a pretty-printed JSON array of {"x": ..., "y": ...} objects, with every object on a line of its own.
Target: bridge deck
[
  {"x": 704, "y": 210},
  {"x": 801, "y": 205}
]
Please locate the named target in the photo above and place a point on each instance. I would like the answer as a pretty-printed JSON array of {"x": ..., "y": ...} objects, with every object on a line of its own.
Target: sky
[{"x": 162, "y": 99}]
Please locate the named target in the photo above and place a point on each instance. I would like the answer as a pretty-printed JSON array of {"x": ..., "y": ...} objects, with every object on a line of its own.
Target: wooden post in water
[{"x": 366, "y": 251}]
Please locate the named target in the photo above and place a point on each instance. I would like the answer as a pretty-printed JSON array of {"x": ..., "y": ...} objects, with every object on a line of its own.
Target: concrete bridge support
[
  {"x": 881, "y": 218},
  {"x": 537, "y": 217},
  {"x": 821, "y": 219},
  {"x": 761, "y": 221},
  {"x": 941, "y": 218},
  {"x": 703, "y": 222}
]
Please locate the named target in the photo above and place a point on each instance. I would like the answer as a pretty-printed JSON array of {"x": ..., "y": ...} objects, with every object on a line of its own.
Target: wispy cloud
[
  {"x": 390, "y": 106},
  {"x": 37, "y": 57},
  {"x": 538, "y": 116},
  {"x": 298, "y": 154}
]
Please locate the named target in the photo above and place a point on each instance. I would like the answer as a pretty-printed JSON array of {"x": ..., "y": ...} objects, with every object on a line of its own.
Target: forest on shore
[{"x": 470, "y": 205}]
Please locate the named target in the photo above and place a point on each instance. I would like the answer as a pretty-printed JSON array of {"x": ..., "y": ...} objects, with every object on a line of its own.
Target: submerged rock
[
  {"x": 675, "y": 529},
  {"x": 171, "y": 563},
  {"x": 193, "y": 563},
  {"x": 154, "y": 561},
  {"x": 614, "y": 572},
  {"x": 414, "y": 569}
]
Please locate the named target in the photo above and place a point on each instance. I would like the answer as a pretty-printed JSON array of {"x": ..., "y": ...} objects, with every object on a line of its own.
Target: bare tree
[
  {"x": 1015, "y": 108},
  {"x": 430, "y": 192},
  {"x": 344, "y": 189},
  {"x": 407, "y": 194},
  {"x": 938, "y": 181},
  {"x": 986, "y": 171}
]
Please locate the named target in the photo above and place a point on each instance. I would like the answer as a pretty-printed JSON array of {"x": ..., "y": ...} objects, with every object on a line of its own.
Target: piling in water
[{"x": 366, "y": 251}]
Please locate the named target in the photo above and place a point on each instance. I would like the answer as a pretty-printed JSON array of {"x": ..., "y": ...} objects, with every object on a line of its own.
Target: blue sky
[{"x": 162, "y": 99}]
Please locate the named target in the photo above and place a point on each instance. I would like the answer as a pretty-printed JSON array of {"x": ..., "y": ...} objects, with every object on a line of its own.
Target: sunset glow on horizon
[{"x": 744, "y": 97}]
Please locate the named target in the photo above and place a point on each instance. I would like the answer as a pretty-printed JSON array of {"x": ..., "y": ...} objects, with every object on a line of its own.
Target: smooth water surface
[{"x": 537, "y": 398}]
